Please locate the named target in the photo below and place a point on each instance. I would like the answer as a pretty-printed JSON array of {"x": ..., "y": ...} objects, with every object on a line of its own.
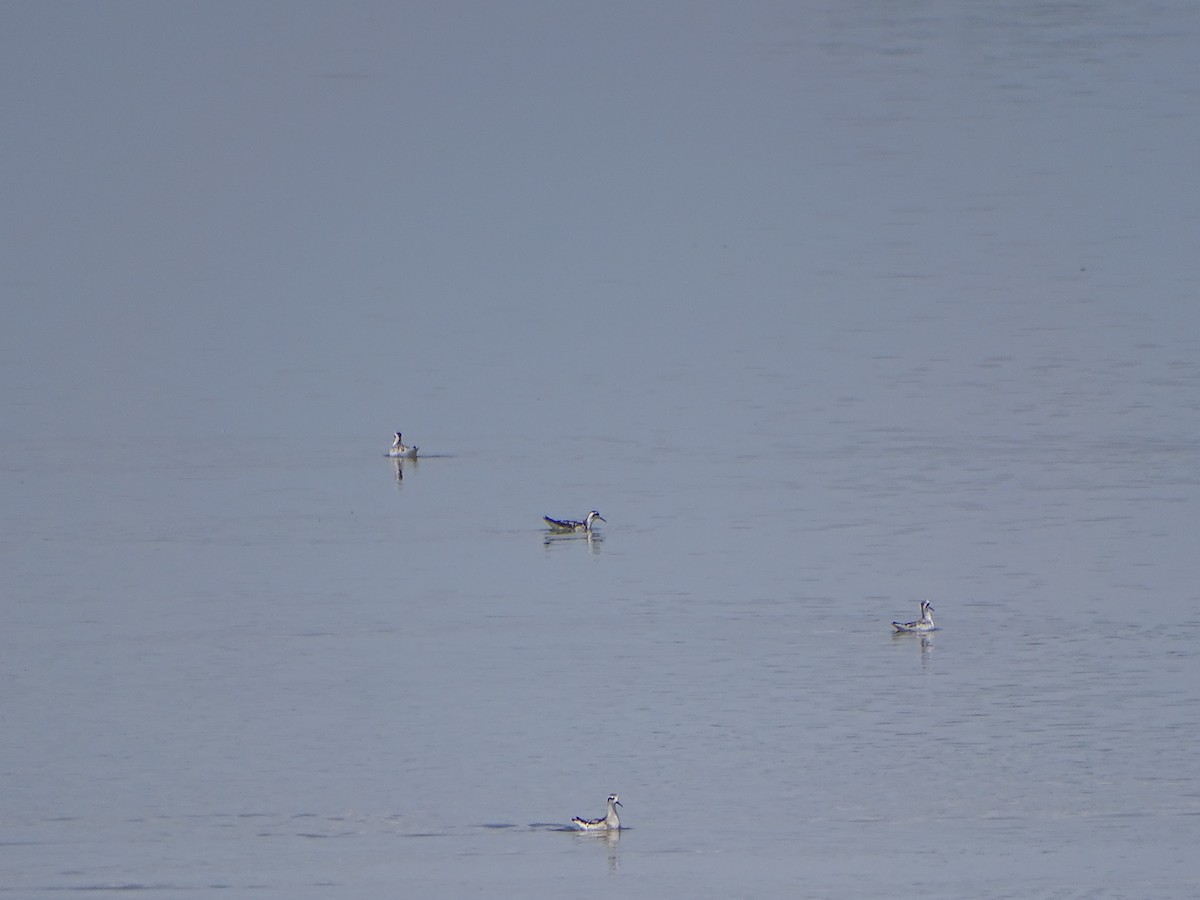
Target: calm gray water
[{"x": 828, "y": 308}]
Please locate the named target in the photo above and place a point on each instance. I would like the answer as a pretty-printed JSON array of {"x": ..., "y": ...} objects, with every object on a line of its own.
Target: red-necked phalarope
[
  {"x": 400, "y": 451},
  {"x": 610, "y": 822},
  {"x": 925, "y": 623},
  {"x": 572, "y": 525}
]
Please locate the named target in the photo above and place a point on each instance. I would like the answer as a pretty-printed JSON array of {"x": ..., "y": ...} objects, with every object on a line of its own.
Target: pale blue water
[{"x": 828, "y": 309}]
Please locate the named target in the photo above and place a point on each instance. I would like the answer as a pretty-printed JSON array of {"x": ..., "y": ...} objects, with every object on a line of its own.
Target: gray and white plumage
[
  {"x": 611, "y": 822},
  {"x": 925, "y": 623},
  {"x": 568, "y": 525},
  {"x": 400, "y": 451}
]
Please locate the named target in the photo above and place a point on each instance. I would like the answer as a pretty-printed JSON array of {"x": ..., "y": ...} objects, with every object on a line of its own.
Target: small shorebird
[
  {"x": 610, "y": 822},
  {"x": 572, "y": 525},
  {"x": 400, "y": 451},
  {"x": 925, "y": 623}
]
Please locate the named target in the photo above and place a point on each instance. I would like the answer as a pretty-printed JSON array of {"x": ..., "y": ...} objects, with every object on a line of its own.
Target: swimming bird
[
  {"x": 610, "y": 822},
  {"x": 925, "y": 623},
  {"x": 400, "y": 451},
  {"x": 572, "y": 525}
]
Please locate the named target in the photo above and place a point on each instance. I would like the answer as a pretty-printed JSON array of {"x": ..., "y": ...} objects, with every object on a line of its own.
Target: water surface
[{"x": 828, "y": 309}]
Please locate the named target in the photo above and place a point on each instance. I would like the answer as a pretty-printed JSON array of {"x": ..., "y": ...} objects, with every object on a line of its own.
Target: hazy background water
[{"x": 827, "y": 307}]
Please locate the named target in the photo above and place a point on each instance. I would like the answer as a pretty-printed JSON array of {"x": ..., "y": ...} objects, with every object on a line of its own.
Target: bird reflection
[
  {"x": 926, "y": 647},
  {"x": 594, "y": 540},
  {"x": 398, "y": 466},
  {"x": 926, "y": 644},
  {"x": 611, "y": 839}
]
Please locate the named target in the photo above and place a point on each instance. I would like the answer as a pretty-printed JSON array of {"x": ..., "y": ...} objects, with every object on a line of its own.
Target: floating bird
[
  {"x": 400, "y": 451},
  {"x": 572, "y": 525},
  {"x": 925, "y": 623},
  {"x": 610, "y": 822}
]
